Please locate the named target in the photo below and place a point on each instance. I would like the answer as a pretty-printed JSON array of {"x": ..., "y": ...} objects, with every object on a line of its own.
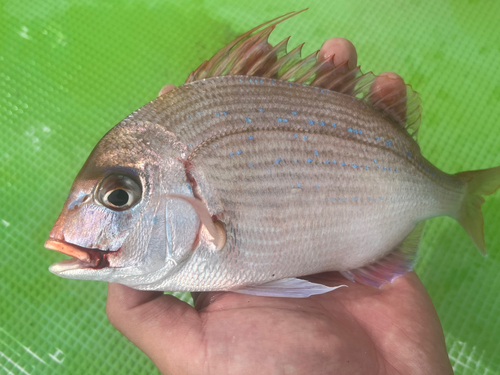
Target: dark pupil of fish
[{"x": 118, "y": 197}]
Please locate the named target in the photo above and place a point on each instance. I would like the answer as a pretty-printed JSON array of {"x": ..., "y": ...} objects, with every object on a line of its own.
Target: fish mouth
[{"x": 83, "y": 257}]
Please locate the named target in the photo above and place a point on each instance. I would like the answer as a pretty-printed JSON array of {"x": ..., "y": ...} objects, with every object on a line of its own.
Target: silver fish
[{"x": 253, "y": 174}]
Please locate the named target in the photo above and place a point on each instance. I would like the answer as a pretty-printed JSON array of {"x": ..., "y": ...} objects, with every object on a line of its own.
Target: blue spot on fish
[
  {"x": 285, "y": 120},
  {"x": 155, "y": 220},
  {"x": 295, "y": 136},
  {"x": 294, "y": 112},
  {"x": 327, "y": 161},
  {"x": 377, "y": 138},
  {"x": 366, "y": 167},
  {"x": 239, "y": 152},
  {"x": 248, "y": 120},
  {"x": 250, "y": 165},
  {"x": 261, "y": 110},
  {"x": 343, "y": 164},
  {"x": 231, "y": 154},
  {"x": 280, "y": 120},
  {"x": 334, "y": 161},
  {"x": 361, "y": 132},
  {"x": 309, "y": 160},
  {"x": 354, "y": 165},
  {"x": 298, "y": 185},
  {"x": 355, "y": 132},
  {"x": 311, "y": 122},
  {"x": 375, "y": 161},
  {"x": 289, "y": 85},
  {"x": 224, "y": 113},
  {"x": 384, "y": 169},
  {"x": 322, "y": 123},
  {"x": 277, "y": 161},
  {"x": 250, "y": 80},
  {"x": 305, "y": 137},
  {"x": 217, "y": 114},
  {"x": 388, "y": 143},
  {"x": 317, "y": 186},
  {"x": 334, "y": 125},
  {"x": 261, "y": 81},
  {"x": 349, "y": 130},
  {"x": 296, "y": 160},
  {"x": 395, "y": 170},
  {"x": 369, "y": 198},
  {"x": 250, "y": 138},
  {"x": 272, "y": 81},
  {"x": 408, "y": 154},
  {"x": 316, "y": 153}
]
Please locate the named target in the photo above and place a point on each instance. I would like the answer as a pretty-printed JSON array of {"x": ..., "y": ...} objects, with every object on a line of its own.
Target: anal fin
[
  {"x": 400, "y": 261},
  {"x": 289, "y": 288}
]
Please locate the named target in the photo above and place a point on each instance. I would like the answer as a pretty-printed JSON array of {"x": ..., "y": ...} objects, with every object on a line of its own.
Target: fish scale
[
  {"x": 351, "y": 186},
  {"x": 235, "y": 182}
]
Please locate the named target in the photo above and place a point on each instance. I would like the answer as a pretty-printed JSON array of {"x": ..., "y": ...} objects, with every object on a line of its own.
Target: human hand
[{"x": 354, "y": 330}]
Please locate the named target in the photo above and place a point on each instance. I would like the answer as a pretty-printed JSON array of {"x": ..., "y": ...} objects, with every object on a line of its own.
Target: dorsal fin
[{"x": 252, "y": 55}]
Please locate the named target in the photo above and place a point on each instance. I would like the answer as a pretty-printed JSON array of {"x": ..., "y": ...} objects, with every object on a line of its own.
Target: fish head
[{"x": 117, "y": 224}]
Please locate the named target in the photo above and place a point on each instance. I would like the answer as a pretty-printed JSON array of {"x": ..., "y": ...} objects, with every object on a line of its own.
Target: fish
[{"x": 262, "y": 168}]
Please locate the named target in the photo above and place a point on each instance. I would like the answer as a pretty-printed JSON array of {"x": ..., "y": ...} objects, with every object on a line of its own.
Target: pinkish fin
[
  {"x": 479, "y": 183},
  {"x": 289, "y": 288},
  {"x": 216, "y": 230},
  {"x": 397, "y": 263},
  {"x": 252, "y": 55}
]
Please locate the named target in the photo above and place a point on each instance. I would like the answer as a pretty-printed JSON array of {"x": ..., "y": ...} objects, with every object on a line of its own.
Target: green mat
[{"x": 70, "y": 70}]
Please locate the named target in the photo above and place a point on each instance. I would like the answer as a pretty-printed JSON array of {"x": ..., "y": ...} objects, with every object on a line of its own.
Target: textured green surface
[{"x": 69, "y": 70}]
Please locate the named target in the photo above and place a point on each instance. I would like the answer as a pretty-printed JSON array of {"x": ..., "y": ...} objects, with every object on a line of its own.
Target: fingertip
[
  {"x": 341, "y": 49},
  {"x": 388, "y": 92},
  {"x": 389, "y": 87},
  {"x": 166, "y": 88}
]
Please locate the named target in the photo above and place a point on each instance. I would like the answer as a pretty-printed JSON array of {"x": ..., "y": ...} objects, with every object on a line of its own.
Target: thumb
[{"x": 160, "y": 325}]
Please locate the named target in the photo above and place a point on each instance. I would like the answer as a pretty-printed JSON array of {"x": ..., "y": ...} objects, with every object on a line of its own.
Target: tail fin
[{"x": 479, "y": 183}]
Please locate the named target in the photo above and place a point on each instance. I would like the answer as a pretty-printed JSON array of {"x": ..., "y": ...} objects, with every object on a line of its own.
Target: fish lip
[{"x": 88, "y": 257}]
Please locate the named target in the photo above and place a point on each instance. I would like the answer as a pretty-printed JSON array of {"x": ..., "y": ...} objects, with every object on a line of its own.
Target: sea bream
[{"x": 262, "y": 168}]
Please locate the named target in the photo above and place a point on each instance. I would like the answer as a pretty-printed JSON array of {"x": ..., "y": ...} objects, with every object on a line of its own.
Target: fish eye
[{"x": 119, "y": 192}]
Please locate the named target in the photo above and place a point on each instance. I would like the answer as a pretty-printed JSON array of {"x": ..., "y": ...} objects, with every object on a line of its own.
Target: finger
[
  {"x": 157, "y": 323},
  {"x": 261, "y": 53},
  {"x": 202, "y": 300},
  {"x": 339, "y": 57},
  {"x": 388, "y": 92},
  {"x": 341, "y": 49},
  {"x": 166, "y": 88}
]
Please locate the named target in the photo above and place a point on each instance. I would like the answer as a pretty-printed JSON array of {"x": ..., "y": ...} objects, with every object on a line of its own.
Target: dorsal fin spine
[
  {"x": 403, "y": 105},
  {"x": 277, "y": 49}
]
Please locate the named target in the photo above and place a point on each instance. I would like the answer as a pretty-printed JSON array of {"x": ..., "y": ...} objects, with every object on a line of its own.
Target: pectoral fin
[
  {"x": 216, "y": 229},
  {"x": 290, "y": 288}
]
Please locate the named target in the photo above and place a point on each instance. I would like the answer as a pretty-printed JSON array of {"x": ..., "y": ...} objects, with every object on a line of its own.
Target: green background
[{"x": 70, "y": 70}]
